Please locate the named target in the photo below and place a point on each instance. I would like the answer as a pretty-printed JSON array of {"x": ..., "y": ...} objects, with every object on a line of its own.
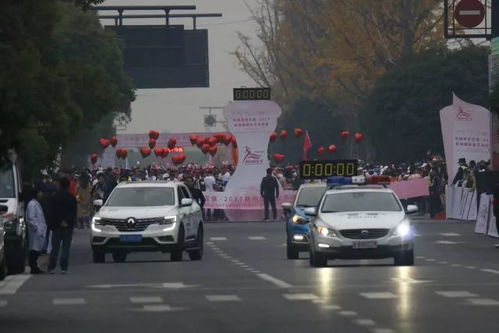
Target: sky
[{"x": 177, "y": 110}]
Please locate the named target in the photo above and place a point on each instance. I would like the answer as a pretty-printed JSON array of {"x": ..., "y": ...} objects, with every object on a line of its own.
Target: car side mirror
[
  {"x": 411, "y": 209},
  {"x": 98, "y": 203},
  {"x": 186, "y": 202},
  {"x": 286, "y": 206},
  {"x": 311, "y": 211}
]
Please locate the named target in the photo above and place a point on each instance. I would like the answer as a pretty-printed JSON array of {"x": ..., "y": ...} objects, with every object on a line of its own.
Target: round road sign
[{"x": 469, "y": 13}]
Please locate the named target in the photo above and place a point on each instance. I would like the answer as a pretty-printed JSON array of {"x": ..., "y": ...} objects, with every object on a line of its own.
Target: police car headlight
[
  {"x": 402, "y": 230},
  {"x": 297, "y": 219},
  {"x": 326, "y": 232},
  {"x": 168, "y": 220}
]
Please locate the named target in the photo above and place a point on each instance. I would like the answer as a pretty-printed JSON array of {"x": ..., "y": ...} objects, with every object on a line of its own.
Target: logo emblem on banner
[
  {"x": 463, "y": 115},
  {"x": 252, "y": 158}
]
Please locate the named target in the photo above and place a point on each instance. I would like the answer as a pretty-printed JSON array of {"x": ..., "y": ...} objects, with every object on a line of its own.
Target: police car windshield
[
  {"x": 364, "y": 201},
  {"x": 310, "y": 196},
  {"x": 141, "y": 197}
]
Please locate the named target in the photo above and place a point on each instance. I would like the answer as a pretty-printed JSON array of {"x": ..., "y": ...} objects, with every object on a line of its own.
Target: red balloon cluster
[
  {"x": 278, "y": 158},
  {"x": 152, "y": 143},
  {"x": 121, "y": 153},
  {"x": 172, "y": 142},
  {"x": 208, "y": 145},
  {"x": 178, "y": 159},
  {"x": 153, "y": 134},
  {"x": 145, "y": 151},
  {"x": 93, "y": 158},
  {"x": 104, "y": 143}
]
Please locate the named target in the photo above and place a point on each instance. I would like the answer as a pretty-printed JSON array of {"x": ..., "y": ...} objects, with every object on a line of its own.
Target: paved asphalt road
[{"x": 245, "y": 284}]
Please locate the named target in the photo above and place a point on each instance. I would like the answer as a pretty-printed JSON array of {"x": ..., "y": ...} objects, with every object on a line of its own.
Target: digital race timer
[
  {"x": 325, "y": 169},
  {"x": 251, "y": 94}
]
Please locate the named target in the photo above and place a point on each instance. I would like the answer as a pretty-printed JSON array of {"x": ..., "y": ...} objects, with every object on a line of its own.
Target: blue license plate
[{"x": 131, "y": 238}]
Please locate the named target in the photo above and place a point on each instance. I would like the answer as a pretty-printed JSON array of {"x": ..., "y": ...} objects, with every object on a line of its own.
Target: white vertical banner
[
  {"x": 492, "y": 229},
  {"x": 482, "y": 219},
  {"x": 466, "y": 133}
]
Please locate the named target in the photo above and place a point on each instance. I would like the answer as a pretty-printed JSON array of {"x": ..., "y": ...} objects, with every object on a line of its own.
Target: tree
[{"x": 401, "y": 116}]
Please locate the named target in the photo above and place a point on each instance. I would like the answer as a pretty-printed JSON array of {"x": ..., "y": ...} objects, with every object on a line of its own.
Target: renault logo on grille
[
  {"x": 130, "y": 223},
  {"x": 364, "y": 233}
]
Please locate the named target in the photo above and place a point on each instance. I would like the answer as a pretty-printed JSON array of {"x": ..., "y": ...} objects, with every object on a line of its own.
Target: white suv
[{"x": 148, "y": 216}]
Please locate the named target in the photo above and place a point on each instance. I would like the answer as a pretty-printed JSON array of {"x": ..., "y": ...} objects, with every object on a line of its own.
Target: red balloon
[
  {"x": 104, "y": 143},
  {"x": 273, "y": 136},
  {"x": 153, "y": 134},
  {"x": 199, "y": 142},
  {"x": 93, "y": 158},
  {"x": 164, "y": 152},
  {"x": 344, "y": 134},
  {"x": 178, "y": 159},
  {"x": 212, "y": 141},
  {"x": 234, "y": 142},
  {"x": 152, "y": 143},
  {"x": 121, "y": 153},
  {"x": 207, "y": 140},
  {"x": 227, "y": 139},
  {"x": 358, "y": 137},
  {"x": 213, "y": 150},
  {"x": 279, "y": 157},
  {"x": 172, "y": 142},
  {"x": 298, "y": 132},
  {"x": 220, "y": 137},
  {"x": 158, "y": 151},
  {"x": 193, "y": 139},
  {"x": 145, "y": 151},
  {"x": 114, "y": 141},
  {"x": 205, "y": 148},
  {"x": 321, "y": 150},
  {"x": 332, "y": 148},
  {"x": 283, "y": 135}
]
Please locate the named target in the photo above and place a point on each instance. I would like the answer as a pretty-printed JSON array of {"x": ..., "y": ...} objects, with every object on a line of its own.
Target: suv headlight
[
  {"x": 403, "y": 230},
  {"x": 297, "y": 219},
  {"x": 96, "y": 220},
  {"x": 168, "y": 220},
  {"x": 324, "y": 231}
]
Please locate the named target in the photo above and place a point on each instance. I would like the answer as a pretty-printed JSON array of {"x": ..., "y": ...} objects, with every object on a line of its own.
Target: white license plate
[{"x": 365, "y": 245}]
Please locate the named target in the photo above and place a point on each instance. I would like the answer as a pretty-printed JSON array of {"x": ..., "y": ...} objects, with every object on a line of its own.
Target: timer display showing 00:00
[
  {"x": 325, "y": 169},
  {"x": 241, "y": 94}
]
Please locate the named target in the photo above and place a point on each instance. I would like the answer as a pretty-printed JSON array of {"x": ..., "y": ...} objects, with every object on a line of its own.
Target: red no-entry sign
[{"x": 469, "y": 13}]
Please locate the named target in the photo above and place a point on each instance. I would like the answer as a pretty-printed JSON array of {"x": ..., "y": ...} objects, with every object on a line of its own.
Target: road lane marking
[
  {"x": 210, "y": 243},
  {"x": 12, "y": 283},
  {"x": 146, "y": 299},
  {"x": 218, "y": 239},
  {"x": 3, "y": 303},
  {"x": 276, "y": 281},
  {"x": 378, "y": 295},
  {"x": 256, "y": 238},
  {"x": 159, "y": 308},
  {"x": 450, "y": 234},
  {"x": 318, "y": 301},
  {"x": 331, "y": 307},
  {"x": 383, "y": 330},
  {"x": 68, "y": 301},
  {"x": 348, "y": 313},
  {"x": 456, "y": 265},
  {"x": 446, "y": 242},
  {"x": 488, "y": 270},
  {"x": 483, "y": 302},
  {"x": 443, "y": 262},
  {"x": 470, "y": 267},
  {"x": 456, "y": 294},
  {"x": 223, "y": 298},
  {"x": 420, "y": 257},
  {"x": 165, "y": 285},
  {"x": 300, "y": 297},
  {"x": 365, "y": 322}
]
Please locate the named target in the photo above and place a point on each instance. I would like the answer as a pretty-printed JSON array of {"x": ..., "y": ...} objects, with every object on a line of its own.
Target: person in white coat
[{"x": 37, "y": 230}]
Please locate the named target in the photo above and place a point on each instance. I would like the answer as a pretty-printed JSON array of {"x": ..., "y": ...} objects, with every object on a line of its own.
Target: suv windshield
[
  {"x": 141, "y": 197},
  {"x": 360, "y": 202},
  {"x": 7, "y": 188},
  {"x": 310, "y": 196}
]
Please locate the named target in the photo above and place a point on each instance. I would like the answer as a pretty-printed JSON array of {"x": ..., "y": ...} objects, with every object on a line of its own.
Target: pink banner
[
  {"x": 411, "y": 188},
  {"x": 228, "y": 200}
]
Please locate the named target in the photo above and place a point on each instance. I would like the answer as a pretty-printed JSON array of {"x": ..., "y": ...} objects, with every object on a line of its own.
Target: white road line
[
  {"x": 446, "y": 242},
  {"x": 68, "y": 301},
  {"x": 383, "y": 330},
  {"x": 456, "y": 294},
  {"x": 209, "y": 243},
  {"x": 223, "y": 298},
  {"x": 3, "y": 303},
  {"x": 431, "y": 259},
  {"x": 456, "y": 265},
  {"x": 470, "y": 267},
  {"x": 146, "y": 300},
  {"x": 420, "y": 257},
  {"x": 331, "y": 307},
  {"x": 483, "y": 302},
  {"x": 300, "y": 297},
  {"x": 255, "y": 271},
  {"x": 443, "y": 262},
  {"x": 365, "y": 322},
  {"x": 348, "y": 313},
  {"x": 378, "y": 295},
  {"x": 12, "y": 283},
  {"x": 488, "y": 270},
  {"x": 318, "y": 301},
  {"x": 245, "y": 266},
  {"x": 218, "y": 238},
  {"x": 256, "y": 238},
  {"x": 159, "y": 308},
  {"x": 450, "y": 234},
  {"x": 276, "y": 281}
]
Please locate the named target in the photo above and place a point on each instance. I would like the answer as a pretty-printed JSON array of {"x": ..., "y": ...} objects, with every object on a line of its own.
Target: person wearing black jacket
[
  {"x": 197, "y": 194},
  {"x": 64, "y": 208},
  {"x": 495, "y": 207},
  {"x": 269, "y": 190}
]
